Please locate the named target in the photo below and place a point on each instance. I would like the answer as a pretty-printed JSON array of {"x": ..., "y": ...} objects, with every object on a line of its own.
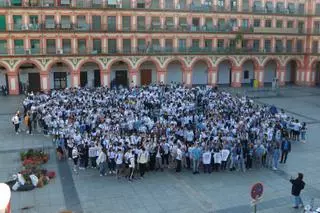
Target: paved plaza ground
[{"x": 167, "y": 192}]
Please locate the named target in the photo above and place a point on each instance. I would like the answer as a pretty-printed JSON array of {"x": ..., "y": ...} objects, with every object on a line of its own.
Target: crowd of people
[{"x": 126, "y": 132}]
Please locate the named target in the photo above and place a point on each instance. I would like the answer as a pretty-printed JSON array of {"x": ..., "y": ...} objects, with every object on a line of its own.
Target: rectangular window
[
  {"x": 268, "y": 23},
  {"x": 289, "y": 46},
  {"x": 3, "y": 25},
  {"x": 82, "y": 23},
  {"x": 48, "y": 3},
  {"x": 232, "y": 44},
  {"x": 301, "y": 27},
  {"x": 256, "y": 23},
  {"x": 183, "y": 23},
  {"x": 96, "y": 23},
  {"x": 35, "y": 46},
  {"x": 112, "y": 45},
  {"x": 3, "y": 47},
  {"x": 299, "y": 46},
  {"x": 279, "y": 23},
  {"x": 289, "y": 24},
  {"x": 318, "y": 9},
  {"x": 233, "y": 5},
  {"x": 141, "y": 23},
  {"x": 155, "y": 23},
  {"x": 315, "y": 46},
  {"x": 66, "y": 46},
  {"x": 112, "y": 3},
  {"x": 126, "y": 45},
  {"x": 126, "y": 4},
  {"x": 301, "y": 9},
  {"x": 291, "y": 8},
  {"x": 267, "y": 46},
  {"x": 220, "y": 44},
  {"x": 169, "y": 45},
  {"x": 245, "y": 23},
  {"x": 126, "y": 23},
  {"x": 256, "y": 45},
  {"x": 155, "y": 4},
  {"x": 245, "y": 5},
  {"x": 233, "y": 23},
  {"x": 65, "y": 22},
  {"x": 17, "y": 22},
  {"x": 182, "y": 45},
  {"x": 141, "y": 4},
  {"x": 257, "y": 6},
  {"x": 279, "y": 46},
  {"x": 244, "y": 43},
  {"x": 316, "y": 27},
  {"x": 208, "y": 44},
  {"x": 142, "y": 45},
  {"x": 221, "y": 5},
  {"x": 33, "y": 22},
  {"x": 221, "y": 24},
  {"x": 82, "y": 46},
  {"x": 112, "y": 26},
  {"x": 51, "y": 46},
  {"x": 280, "y": 7},
  {"x": 195, "y": 44},
  {"x": 16, "y": 3},
  {"x": 269, "y": 7},
  {"x": 65, "y": 3},
  {"x": 156, "y": 45},
  {"x": 96, "y": 46},
  {"x": 49, "y": 22},
  {"x": 18, "y": 46},
  {"x": 169, "y": 4},
  {"x": 169, "y": 23}
]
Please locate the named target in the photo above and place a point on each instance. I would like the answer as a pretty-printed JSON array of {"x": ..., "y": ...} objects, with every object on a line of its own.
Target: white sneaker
[
  {"x": 274, "y": 168},
  {"x": 17, "y": 133},
  {"x": 110, "y": 172},
  {"x": 101, "y": 175}
]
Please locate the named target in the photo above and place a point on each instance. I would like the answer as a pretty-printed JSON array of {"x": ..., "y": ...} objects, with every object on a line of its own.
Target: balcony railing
[
  {"x": 183, "y": 28},
  {"x": 146, "y": 51},
  {"x": 188, "y": 7}
]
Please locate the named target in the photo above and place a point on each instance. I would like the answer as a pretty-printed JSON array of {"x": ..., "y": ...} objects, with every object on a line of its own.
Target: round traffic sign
[{"x": 256, "y": 191}]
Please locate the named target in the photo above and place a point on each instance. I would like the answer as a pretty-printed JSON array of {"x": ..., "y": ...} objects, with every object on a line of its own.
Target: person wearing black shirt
[{"x": 297, "y": 186}]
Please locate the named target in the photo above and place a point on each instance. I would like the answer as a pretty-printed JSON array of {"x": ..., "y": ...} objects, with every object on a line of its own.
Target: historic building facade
[{"x": 46, "y": 44}]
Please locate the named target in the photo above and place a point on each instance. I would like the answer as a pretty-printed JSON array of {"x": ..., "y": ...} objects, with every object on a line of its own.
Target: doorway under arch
[
  {"x": 90, "y": 75},
  {"x": 119, "y": 74},
  {"x": 270, "y": 72},
  {"x": 291, "y": 72},
  {"x": 29, "y": 78},
  {"x": 174, "y": 72},
  {"x": 317, "y": 73},
  {"x": 247, "y": 73},
  {"x": 200, "y": 73},
  {"x": 4, "y": 86},
  {"x": 224, "y": 73},
  {"x": 147, "y": 73},
  {"x": 60, "y": 76}
]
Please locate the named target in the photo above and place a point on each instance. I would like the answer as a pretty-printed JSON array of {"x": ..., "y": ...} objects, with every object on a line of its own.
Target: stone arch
[
  {"x": 296, "y": 59},
  {"x": 54, "y": 62},
  {"x": 232, "y": 60},
  {"x": 112, "y": 62},
  {"x": 224, "y": 70},
  {"x": 180, "y": 59},
  {"x": 147, "y": 70},
  {"x": 28, "y": 77},
  {"x": 4, "y": 74},
  {"x": 146, "y": 59},
  {"x": 268, "y": 59},
  {"x": 248, "y": 71},
  {"x": 6, "y": 66},
  {"x": 204, "y": 59},
  {"x": 90, "y": 60},
  {"x": 292, "y": 69},
  {"x": 28, "y": 61},
  {"x": 270, "y": 70}
]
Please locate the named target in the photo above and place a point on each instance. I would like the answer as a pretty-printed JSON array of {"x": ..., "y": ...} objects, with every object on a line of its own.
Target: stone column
[
  {"x": 187, "y": 76},
  {"x": 161, "y": 76},
  {"x": 212, "y": 76},
  {"x": 133, "y": 75},
  {"x": 44, "y": 81},
  {"x": 236, "y": 76},
  {"x": 281, "y": 70},
  {"x": 13, "y": 83},
  {"x": 259, "y": 75},
  {"x": 105, "y": 78},
  {"x": 75, "y": 78}
]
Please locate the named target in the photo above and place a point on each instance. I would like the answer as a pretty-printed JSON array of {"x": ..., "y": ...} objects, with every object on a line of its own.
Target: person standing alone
[
  {"x": 297, "y": 185},
  {"x": 16, "y": 122},
  {"x": 285, "y": 149}
]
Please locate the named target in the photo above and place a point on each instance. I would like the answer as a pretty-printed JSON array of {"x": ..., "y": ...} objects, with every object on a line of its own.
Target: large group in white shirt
[{"x": 158, "y": 127}]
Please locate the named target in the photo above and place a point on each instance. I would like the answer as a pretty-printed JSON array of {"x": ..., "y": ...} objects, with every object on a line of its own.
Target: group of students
[{"x": 122, "y": 131}]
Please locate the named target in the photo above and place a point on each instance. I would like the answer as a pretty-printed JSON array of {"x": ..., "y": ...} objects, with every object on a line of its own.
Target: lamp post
[{"x": 5, "y": 196}]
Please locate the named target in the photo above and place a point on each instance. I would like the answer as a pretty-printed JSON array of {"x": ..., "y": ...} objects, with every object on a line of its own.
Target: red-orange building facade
[{"x": 47, "y": 44}]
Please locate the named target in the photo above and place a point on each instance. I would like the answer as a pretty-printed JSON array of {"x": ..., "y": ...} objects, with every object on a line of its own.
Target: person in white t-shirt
[
  {"x": 119, "y": 162},
  {"x": 206, "y": 161},
  {"x": 178, "y": 158}
]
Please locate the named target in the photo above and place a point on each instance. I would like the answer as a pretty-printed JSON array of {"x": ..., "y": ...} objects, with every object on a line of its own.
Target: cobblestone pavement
[{"x": 167, "y": 192}]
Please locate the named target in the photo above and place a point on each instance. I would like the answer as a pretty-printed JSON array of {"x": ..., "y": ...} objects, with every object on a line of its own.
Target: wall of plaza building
[{"x": 139, "y": 42}]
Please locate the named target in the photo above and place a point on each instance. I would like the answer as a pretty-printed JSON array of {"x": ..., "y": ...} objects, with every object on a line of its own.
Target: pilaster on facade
[
  {"x": 105, "y": 78},
  {"x": 133, "y": 77},
  {"x": 212, "y": 78},
  {"x": 280, "y": 75},
  {"x": 236, "y": 76},
  {"x": 13, "y": 83},
  {"x": 44, "y": 81},
  {"x": 259, "y": 75},
  {"x": 75, "y": 78},
  {"x": 161, "y": 76}
]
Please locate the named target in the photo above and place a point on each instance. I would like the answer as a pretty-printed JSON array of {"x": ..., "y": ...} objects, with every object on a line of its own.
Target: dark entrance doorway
[
  {"x": 83, "y": 79},
  {"x": 60, "y": 80},
  {"x": 146, "y": 77},
  {"x": 97, "y": 80},
  {"x": 121, "y": 78},
  {"x": 34, "y": 84}
]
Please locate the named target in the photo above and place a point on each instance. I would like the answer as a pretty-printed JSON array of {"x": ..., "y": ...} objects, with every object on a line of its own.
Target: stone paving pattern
[{"x": 167, "y": 192}]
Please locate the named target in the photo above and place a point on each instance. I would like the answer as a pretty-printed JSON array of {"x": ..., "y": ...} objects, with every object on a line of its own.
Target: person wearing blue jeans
[
  {"x": 196, "y": 154},
  {"x": 297, "y": 187},
  {"x": 276, "y": 157}
]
